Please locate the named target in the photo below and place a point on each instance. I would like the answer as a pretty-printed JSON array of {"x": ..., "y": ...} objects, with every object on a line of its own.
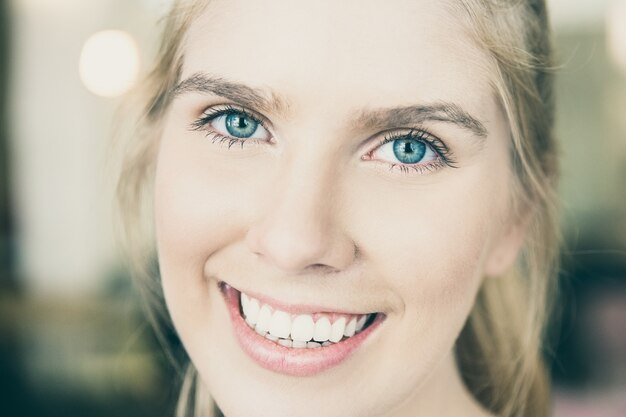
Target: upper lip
[{"x": 297, "y": 308}]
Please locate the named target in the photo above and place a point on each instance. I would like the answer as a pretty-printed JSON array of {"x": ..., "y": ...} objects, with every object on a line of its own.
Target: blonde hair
[{"x": 499, "y": 351}]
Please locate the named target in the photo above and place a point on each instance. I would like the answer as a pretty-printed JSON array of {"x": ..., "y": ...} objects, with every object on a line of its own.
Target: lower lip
[{"x": 290, "y": 361}]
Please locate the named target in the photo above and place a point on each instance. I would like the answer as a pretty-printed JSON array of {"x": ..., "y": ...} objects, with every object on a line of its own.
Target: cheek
[
  {"x": 429, "y": 243},
  {"x": 200, "y": 207},
  {"x": 433, "y": 236},
  {"x": 202, "y": 199}
]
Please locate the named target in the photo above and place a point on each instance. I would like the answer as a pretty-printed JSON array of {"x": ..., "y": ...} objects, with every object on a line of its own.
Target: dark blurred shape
[
  {"x": 82, "y": 358},
  {"x": 591, "y": 342},
  {"x": 589, "y": 360},
  {"x": 7, "y": 275}
]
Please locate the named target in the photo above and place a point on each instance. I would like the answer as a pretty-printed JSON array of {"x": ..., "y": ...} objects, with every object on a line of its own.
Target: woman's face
[{"x": 330, "y": 160}]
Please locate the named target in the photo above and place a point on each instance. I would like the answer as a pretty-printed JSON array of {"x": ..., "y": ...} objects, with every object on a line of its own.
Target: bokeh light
[{"x": 109, "y": 63}]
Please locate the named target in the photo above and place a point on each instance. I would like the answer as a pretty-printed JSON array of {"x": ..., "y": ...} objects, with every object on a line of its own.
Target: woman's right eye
[
  {"x": 239, "y": 125},
  {"x": 231, "y": 125}
]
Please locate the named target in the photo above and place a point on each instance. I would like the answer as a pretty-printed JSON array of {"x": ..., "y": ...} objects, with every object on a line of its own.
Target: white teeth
[
  {"x": 361, "y": 322},
  {"x": 302, "y": 328},
  {"x": 284, "y": 342},
  {"x": 322, "y": 330},
  {"x": 263, "y": 321},
  {"x": 253, "y": 312},
  {"x": 280, "y": 325},
  {"x": 350, "y": 328},
  {"x": 336, "y": 332},
  {"x": 296, "y": 331},
  {"x": 244, "y": 303}
]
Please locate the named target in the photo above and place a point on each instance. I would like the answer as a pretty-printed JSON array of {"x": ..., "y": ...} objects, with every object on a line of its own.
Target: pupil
[
  {"x": 240, "y": 126},
  {"x": 409, "y": 151}
]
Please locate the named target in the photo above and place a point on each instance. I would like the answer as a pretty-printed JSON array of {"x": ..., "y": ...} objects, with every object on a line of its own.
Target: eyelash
[{"x": 444, "y": 155}]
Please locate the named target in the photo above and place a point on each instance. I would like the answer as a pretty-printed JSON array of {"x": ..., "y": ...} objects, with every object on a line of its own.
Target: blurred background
[{"x": 73, "y": 340}]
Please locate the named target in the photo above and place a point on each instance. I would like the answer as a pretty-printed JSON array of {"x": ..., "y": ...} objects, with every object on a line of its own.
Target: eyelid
[{"x": 217, "y": 110}]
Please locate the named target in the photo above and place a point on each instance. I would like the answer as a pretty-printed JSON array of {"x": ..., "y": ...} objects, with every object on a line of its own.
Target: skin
[{"x": 306, "y": 219}]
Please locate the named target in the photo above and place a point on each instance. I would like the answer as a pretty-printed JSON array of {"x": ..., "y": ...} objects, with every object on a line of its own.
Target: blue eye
[
  {"x": 408, "y": 151},
  {"x": 240, "y": 126},
  {"x": 235, "y": 124}
]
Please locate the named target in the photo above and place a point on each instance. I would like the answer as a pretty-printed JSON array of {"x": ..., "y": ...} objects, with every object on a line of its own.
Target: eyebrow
[
  {"x": 382, "y": 119},
  {"x": 389, "y": 118},
  {"x": 241, "y": 94}
]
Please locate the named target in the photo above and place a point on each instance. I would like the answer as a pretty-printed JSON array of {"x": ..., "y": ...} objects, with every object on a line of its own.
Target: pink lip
[
  {"x": 290, "y": 361},
  {"x": 296, "y": 309}
]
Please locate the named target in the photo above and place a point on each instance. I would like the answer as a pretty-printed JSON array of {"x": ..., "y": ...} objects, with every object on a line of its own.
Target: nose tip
[{"x": 294, "y": 243}]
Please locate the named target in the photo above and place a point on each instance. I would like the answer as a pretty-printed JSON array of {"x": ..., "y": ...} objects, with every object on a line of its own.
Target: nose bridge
[
  {"x": 301, "y": 197},
  {"x": 299, "y": 227}
]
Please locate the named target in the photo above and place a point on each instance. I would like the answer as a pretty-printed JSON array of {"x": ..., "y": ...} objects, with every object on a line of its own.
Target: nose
[{"x": 300, "y": 229}]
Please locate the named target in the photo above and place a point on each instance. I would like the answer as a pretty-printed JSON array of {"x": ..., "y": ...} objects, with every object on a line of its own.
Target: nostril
[{"x": 321, "y": 268}]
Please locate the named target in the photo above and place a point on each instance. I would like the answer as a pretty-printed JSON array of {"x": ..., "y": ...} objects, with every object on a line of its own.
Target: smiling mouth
[
  {"x": 301, "y": 330},
  {"x": 295, "y": 340}
]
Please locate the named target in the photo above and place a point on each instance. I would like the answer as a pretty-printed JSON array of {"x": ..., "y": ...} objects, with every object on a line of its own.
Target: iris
[
  {"x": 240, "y": 125},
  {"x": 409, "y": 151}
]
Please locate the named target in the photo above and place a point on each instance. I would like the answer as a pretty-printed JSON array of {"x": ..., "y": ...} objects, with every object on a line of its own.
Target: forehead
[{"x": 366, "y": 51}]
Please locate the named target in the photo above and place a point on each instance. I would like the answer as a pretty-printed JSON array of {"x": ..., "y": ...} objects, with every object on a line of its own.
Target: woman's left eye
[
  {"x": 416, "y": 151},
  {"x": 407, "y": 151}
]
